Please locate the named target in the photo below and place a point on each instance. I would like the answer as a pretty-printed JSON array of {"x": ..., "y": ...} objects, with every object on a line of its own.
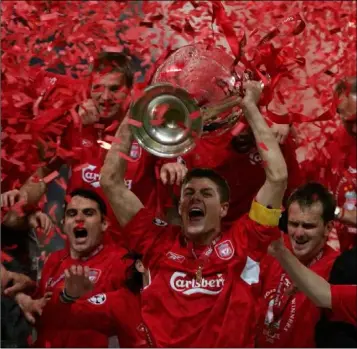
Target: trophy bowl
[{"x": 196, "y": 92}]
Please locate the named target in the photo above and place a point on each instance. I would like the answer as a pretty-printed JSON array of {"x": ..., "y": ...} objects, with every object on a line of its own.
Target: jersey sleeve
[
  {"x": 344, "y": 303},
  {"x": 113, "y": 313},
  {"x": 94, "y": 312},
  {"x": 253, "y": 232},
  {"x": 148, "y": 235}
]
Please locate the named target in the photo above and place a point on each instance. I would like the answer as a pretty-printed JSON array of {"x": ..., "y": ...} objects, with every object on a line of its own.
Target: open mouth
[
  {"x": 80, "y": 233},
  {"x": 195, "y": 213}
]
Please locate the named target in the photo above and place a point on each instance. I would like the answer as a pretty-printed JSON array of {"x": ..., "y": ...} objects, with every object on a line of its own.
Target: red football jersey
[
  {"x": 107, "y": 271},
  {"x": 217, "y": 308},
  {"x": 344, "y": 303},
  {"x": 115, "y": 314},
  {"x": 140, "y": 175},
  {"x": 243, "y": 171},
  {"x": 287, "y": 316}
]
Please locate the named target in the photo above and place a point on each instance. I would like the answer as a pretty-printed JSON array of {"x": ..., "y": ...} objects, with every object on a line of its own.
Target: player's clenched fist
[{"x": 173, "y": 173}]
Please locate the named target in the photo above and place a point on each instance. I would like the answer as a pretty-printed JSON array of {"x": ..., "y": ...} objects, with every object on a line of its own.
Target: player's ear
[
  {"x": 104, "y": 223},
  {"x": 179, "y": 208},
  {"x": 329, "y": 226},
  {"x": 224, "y": 209}
]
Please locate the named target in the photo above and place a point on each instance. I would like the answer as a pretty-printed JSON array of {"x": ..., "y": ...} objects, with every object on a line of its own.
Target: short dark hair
[
  {"x": 133, "y": 278},
  {"x": 311, "y": 193},
  {"x": 91, "y": 195},
  {"x": 348, "y": 84},
  {"x": 223, "y": 187},
  {"x": 116, "y": 62}
]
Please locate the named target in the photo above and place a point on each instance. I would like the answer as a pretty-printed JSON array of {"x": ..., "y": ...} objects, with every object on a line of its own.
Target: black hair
[
  {"x": 116, "y": 62},
  {"x": 91, "y": 195},
  {"x": 223, "y": 187},
  {"x": 134, "y": 279},
  {"x": 311, "y": 193}
]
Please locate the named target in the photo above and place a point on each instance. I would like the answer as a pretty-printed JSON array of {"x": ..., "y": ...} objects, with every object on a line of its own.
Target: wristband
[{"x": 65, "y": 298}]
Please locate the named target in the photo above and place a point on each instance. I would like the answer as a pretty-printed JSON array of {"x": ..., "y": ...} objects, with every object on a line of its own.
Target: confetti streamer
[
  {"x": 299, "y": 65},
  {"x": 51, "y": 177}
]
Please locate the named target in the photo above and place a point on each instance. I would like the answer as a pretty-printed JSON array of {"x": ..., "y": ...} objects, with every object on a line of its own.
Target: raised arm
[
  {"x": 272, "y": 192},
  {"x": 34, "y": 188},
  {"x": 312, "y": 285},
  {"x": 124, "y": 202}
]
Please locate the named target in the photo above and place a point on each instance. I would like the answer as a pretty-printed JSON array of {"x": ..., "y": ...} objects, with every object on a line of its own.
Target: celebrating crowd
[{"x": 226, "y": 246}]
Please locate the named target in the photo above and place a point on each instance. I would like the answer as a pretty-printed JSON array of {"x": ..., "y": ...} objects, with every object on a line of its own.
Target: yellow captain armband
[{"x": 263, "y": 215}]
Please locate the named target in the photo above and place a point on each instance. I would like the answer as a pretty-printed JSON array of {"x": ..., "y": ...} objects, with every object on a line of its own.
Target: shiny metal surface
[
  {"x": 193, "y": 78},
  {"x": 176, "y": 134}
]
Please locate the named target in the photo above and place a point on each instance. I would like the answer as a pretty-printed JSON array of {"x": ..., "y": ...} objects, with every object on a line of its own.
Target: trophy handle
[{"x": 210, "y": 111}]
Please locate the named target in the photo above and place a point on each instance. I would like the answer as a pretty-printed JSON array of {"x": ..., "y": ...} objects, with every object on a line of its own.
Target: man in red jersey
[
  {"x": 86, "y": 148},
  {"x": 84, "y": 223},
  {"x": 340, "y": 299},
  {"x": 223, "y": 152},
  {"x": 112, "y": 313},
  {"x": 201, "y": 292},
  {"x": 338, "y": 169},
  {"x": 285, "y": 311}
]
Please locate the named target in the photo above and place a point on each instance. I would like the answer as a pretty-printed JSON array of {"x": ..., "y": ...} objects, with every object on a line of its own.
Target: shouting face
[
  {"x": 307, "y": 231},
  {"x": 84, "y": 226},
  {"x": 201, "y": 209},
  {"x": 107, "y": 93}
]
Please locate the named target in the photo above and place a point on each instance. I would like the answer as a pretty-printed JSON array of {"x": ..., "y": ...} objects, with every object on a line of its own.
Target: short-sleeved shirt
[
  {"x": 107, "y": 272},
  {"x": 217, "y": 309},
  {"x": 243, "y": 171},
  {"x": 285, "y": 312}
]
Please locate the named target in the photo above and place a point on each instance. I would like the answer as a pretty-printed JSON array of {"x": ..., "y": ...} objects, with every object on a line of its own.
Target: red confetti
[
  {"x": 62, "y": 183},
  {"x": 51, "y": 177},
  {"x": 80, "y": 167},
  {"x": 238, "y": 128},
  {"x": 196, "y": 114},
  {"x": 135, "y": 123},
  {"x": 126, "y": 157},
  {"x": 67, "y": 198},
  {"x": 112, "y": 139},
  {"x": 262, "y": 146},
  {"x": 52, "y": 211},
  {"x": 49, "y": 17},
  {"x": 5, "y": 257},
  {"x": 304, "y": 64}
]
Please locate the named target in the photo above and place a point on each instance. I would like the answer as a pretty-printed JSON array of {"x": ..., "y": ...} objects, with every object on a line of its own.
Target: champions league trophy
[{"x": 192, "y": 94}]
